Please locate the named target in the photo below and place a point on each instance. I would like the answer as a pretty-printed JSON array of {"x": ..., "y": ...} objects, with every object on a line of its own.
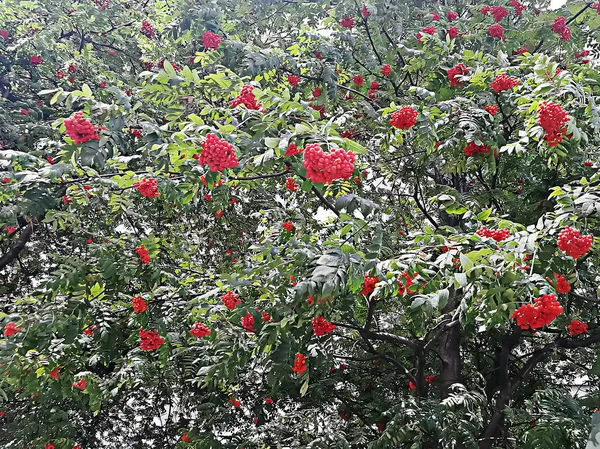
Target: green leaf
[
  {"x": 304, "y": 388},
  {"x": 466, "y": 263}
]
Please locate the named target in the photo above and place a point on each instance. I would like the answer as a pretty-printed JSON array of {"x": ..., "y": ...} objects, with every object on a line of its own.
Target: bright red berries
[
  {"x": 430, "y": 379},
  {"x": 472, "y": 149},
  {"x": 497, "y": 32},
  {"x": 150, "y": 340},
  {"x": 54, "y": 373},
  {"x": 210, "y": 40},
  {"x": 79, "y": 130},
  {"x": 143, "y": 253},
  {"x": 321, "y": 326},
  {"x": 426, "y": 30},
  {"x": 231, "y": 300},
  {"x": 135, "y": 132},
  {"x": 404, "y": 118},
  {"x": 386, "y": 70},
  {"x": 347, "y": 22},
  {"x": 496, "y": 234},
  {"x": 435, "y": 17},
  {"x": 217, "y": 153},
  {"x": 288, "y": 226},
  {"x": 455, "y": 72},
  {"x": 236, "y": 403},
  {"x": 499, "y": 13},
  {"x": 452, "y": 16},
  {"x": 553, "y": 119},
  {"x": 219, "y": 214},
  {"x": 503, "y": 82},
  {"x": 36, "y": 60},
  {"x": 365, "y": 12},
  {"x": 294, "y": 80},
  {"x": 560, "y": 27},
  {"x": 138, "y": 304},
  {"x": 316, "y": 92},
  {"x": 412, "y": 386},
  {"x": 11, "y": 329},
  {"x": 299, "y": 364},
  {"x": 561, "y": 285},
  {"x": 147, "y": 29},
  {"x": 247, "y": 98},
  {"x": 80, "y": 384},
  {"x": 404, "y": 286},
  {"x": 248, "y": 322},
  {"x": 492, "y": 109},
  {"x": 573, "y": 243},
  {"x": 522, "y": 50},
  {"x": 326, "y": 167},
  {"x": 293, "y": 150},
  {"x": 291, "y": 185},
  {"x": 90, "y": 330},
  {"x": 358, "y": 80},
  {"x": 453, "y": 32},
  {"x": 534, "y": 316},
  {"x": 10, "y": 229},
  {"x": 368, "y": 286},
  {"x": 147, "y": 187},
  {"x": 585, "y": 164},
  {"x": 200, "y": 330},
  {"x": 519, "y": 7},
  {"x": 577, "y": 327},
  {"x": 49, "y": 446},
  {"x": 185, "y": 438},
  {"x": 269, "y": 401},
  {"x": 265, "y": 316}
]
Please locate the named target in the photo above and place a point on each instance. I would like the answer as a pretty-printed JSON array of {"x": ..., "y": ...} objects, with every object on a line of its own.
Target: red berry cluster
[
  {"x": 368, "y": 286},
  {"x": 211, "y": 40},
  {"x": 472, "y": 149},
  {"x": 294, "y": 80},
  {"x": 299, "y": 364},
  {"x": 521, "y": 51},
  {"x": 553, "y": 119},
  {"x": 247, "y": 98},
  {"x": 577, "y": 327},
  {"x": 11, "y": 329},
  {"x": 36, "y": 60},
  {"x": 588, "y": 164},
  {"x": 358, "y": 80},
  {"x": 455, "y": 72},
  {"x": 147, "y": 187},
  {"x": 434, "y": 17},
  {"x": 453, "y": 32},
  {"x": 135, "y": 132},
  {"x": 347, "y": 22},
  {"x": 144, "y": 254},
  {"x": 150, "y": 340},
  {"x": 373, "y": 88},
  {"x": 10, "y": 229},
  {"x": 573, "y": 243},
  {"x": 492, "y": 109},
  {"x": 519, "y": 7},
  {"x": 561, "y": 284},
  {"x": 79, "y": 130},
  {"x": 543, "y": 312},
  {"x": 496, "y": 234},
  {"x": 503, "y": 82},
  {"x": 321, "y": 326},
  {"x": 316, "y": 93},
  {"x": 386, "y": 70},
  {"x": 288, "y": 226},
  {"x": 265, "y": 316},
  {"x": 497, "y": 32},
  {"x": 218, "y": 154},
  {"x": 147, "y": 29},
  {"x": 426, "y": 30},
  {"x": 293, "y": 150},
  {"x": 326, "y": 167},
  {"x": 404, "y": 118},
  {"x": 452, "y": 16},
  {"x": 404, "y": 286},
  {"x": 138, "y": 304},
  {"x": 291, "y": 185},
  {"x": 248, "y": 322},
  {"x": 499, "y": 12},
  {"x": 230, "y": 300},
  {"x": 348, "y": 134},
  {"x": 80, "y": 385},
  {"x": 365, "y": 12},
  {"x": 560, "y": 27}
]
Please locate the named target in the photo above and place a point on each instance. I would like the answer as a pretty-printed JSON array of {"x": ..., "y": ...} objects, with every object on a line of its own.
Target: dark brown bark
[
  {"x": 13, "y": 252},
  {"x": 449, "y": 349}
]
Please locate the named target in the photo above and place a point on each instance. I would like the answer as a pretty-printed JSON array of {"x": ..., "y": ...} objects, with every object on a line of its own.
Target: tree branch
[{"x": 12, "y": 254}]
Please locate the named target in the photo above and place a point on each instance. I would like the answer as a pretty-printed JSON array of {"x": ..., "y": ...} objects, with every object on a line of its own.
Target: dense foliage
[{"x": 276, "y": 223}]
